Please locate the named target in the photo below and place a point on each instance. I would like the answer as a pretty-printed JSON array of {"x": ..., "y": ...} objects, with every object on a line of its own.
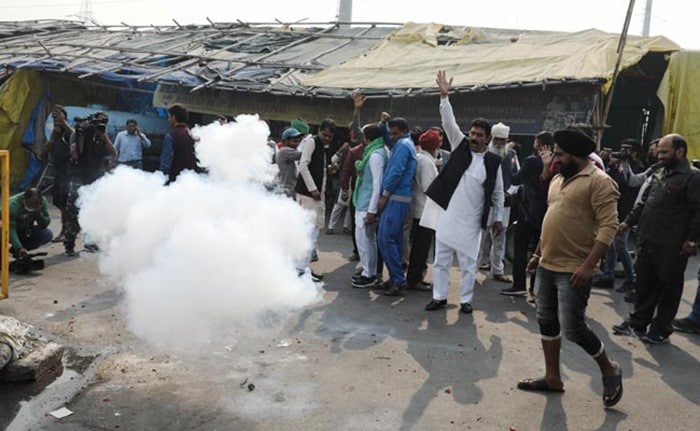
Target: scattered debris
[
  {"x": 251, "y": 387},
  {"x": 244, "y": 382},
  {"x": 61, "y": 413},
  {"x": 284, "y": 343},
  {"x": 448, "y": 391}
]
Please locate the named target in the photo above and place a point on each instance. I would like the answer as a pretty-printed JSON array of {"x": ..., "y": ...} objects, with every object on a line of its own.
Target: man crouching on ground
[{"x": 582, "y": 201}]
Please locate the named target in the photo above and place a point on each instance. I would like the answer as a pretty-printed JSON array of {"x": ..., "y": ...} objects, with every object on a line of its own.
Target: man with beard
[
  {"x": 459, "y": 201},
  {"x": 509, "y": 166},
  {"x": 669, "y": 230},
  {"x": 311, "y": 183},
  {"x": 582, "y": 201}
]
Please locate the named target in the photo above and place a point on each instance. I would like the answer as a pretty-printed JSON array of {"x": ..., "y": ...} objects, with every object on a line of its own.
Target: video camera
[
  {"x": 97, "y": 121},
  {"x": 623, "y": 154},
  {"x": 27, "y": 263}
]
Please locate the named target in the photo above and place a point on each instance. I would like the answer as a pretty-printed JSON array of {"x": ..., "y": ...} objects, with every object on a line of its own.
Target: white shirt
[
  {"x": 459, "y": 226},
  {"x": 376, "y": 167},
  {"x": 426, "y": 171}
]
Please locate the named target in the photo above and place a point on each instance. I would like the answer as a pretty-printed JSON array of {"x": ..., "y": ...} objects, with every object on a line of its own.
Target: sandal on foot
[
  {"x": 612, "y": 388},
  {"x": 537, "y": 385}
]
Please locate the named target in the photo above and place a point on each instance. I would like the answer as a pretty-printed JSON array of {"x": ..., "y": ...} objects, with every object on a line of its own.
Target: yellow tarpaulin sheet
[
  {"x": 409, "y": 57},
  {"x": 680, "y": 93},
  {"x": 18, "y": 96}
]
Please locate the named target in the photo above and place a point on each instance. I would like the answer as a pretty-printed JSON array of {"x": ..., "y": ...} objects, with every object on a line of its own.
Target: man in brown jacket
[{"x": 579, "y": 225}]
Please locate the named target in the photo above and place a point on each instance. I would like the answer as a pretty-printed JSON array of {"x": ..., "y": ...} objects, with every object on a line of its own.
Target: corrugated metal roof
[{"x": 243, "y": 57}]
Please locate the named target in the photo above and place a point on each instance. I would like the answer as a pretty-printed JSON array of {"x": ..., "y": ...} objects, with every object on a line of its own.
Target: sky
[{"x": 675, "y": 19}]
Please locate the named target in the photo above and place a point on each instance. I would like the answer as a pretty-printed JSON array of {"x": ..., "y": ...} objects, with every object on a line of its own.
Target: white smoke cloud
[{"x": 206, "y": 253}]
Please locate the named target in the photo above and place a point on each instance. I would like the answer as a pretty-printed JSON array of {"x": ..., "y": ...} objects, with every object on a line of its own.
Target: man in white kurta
[{"x": 458, "y": 228}]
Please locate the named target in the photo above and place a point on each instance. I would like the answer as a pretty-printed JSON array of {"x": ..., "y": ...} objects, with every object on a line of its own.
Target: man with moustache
[
  {"x": 311, "y": 183},
  {"x": 459, "y": 202},
  {"x": 509, "y": 166},
  {"x": 580, "y": 224},
  {"x": 668, "y": 219}
]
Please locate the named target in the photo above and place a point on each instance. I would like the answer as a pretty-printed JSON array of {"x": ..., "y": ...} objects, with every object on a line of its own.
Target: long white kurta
[{"x": 459, "y": 227}]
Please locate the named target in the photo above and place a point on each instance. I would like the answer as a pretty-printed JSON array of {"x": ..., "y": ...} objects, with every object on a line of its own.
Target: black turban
[{"x": 574, "y": 141}]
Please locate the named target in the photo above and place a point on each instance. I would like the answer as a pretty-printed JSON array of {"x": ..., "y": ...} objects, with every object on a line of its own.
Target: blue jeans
[
  {"x": 619, "y": 249},
  {"x": 562, "y": 306},
  {"x": 390, "y": 238},
  {"x": 695, "y": 313}
]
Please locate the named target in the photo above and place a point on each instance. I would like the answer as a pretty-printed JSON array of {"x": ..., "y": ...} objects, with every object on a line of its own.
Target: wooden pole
[{"x": 620, "y": 50}]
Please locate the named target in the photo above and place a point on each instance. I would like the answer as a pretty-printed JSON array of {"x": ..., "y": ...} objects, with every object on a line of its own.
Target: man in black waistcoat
[{"x": 459, "y": 202}]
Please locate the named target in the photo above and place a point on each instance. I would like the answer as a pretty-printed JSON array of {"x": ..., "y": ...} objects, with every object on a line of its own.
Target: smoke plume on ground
[{"x": 209, "y": 254}]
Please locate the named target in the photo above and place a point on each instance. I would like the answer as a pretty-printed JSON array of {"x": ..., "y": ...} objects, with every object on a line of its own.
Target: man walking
[
  {"x": 669, "y": 231},
  {"x": 460, "y": 198},
  {"x": 582, "y": 200}
]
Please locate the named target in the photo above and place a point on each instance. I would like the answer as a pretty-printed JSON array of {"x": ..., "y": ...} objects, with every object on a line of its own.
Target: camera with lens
[
  {"x": 96, "y": 121},
  {"x": 621, "y": 155}
]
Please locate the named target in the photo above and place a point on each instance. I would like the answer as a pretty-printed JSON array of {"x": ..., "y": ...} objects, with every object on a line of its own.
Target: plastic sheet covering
[
  {"x": 481, "y": 57},
  {"x": 18, "y": 97},
  {"x": 680, "y": 93}
]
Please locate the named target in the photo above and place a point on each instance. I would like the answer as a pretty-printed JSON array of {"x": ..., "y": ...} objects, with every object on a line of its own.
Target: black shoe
[
  {"x": 70, "y": 252},
  {"x": 382, "y": 285},
  {"x": 316, "y": 277},
  {"x": 364, "y": 282},
  {"x": 421, "y": 285},
  {"x": 466, "y": 308},
  {"x": 436, "y": 304},
  {"x": 605, "y": 283},
  {"x": 330, "y": 231},
  {"x": 626, "y": 286},
  {"x": 314, "y": 256},
  {"x": 653, "y": 337},
  {"x": 686, "y": 325},
  {"x": 631, "y": 296},
  {"x": 347, "y": 231},
  {"x": 513, "y": 291},
  {"x": 625, "y": 328},
  {"x": 92, "y": 248},
  {"x": 395, "y": 290},
  {"x": 354, "y": 257}
]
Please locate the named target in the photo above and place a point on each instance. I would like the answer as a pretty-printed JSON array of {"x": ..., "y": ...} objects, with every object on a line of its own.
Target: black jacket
[
  {"x": 534, "y": 203},
  {"x": 670, "y": 212},
  {"x": 443, "y": 186}
]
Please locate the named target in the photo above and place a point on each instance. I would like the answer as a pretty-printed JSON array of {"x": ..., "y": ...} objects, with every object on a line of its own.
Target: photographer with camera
[
  {"x": 622, "y": 165},
  {"x": 58, "y": 148},
  {"x": 89, "y": 147},
  {"x": 29, "y": 221}
]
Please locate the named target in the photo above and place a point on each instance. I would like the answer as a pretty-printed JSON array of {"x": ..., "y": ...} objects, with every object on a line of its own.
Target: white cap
[{"x": 500, "y": 130}]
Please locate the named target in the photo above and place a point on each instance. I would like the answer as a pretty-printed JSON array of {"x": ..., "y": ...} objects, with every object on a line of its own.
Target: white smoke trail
[{"x": 206, "y": 253}]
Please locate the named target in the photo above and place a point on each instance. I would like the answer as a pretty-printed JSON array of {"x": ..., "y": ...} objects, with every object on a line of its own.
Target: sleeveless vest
[{"x": 444, "y": 185}]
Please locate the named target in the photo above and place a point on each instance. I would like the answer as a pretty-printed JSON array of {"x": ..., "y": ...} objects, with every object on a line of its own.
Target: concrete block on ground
[{"x": 45, "y": 360}]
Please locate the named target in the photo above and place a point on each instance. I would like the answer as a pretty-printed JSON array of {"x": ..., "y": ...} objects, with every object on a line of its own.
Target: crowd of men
[
  {"x": 403, "y": 197},
  {"x": 573, "y": 211}
]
